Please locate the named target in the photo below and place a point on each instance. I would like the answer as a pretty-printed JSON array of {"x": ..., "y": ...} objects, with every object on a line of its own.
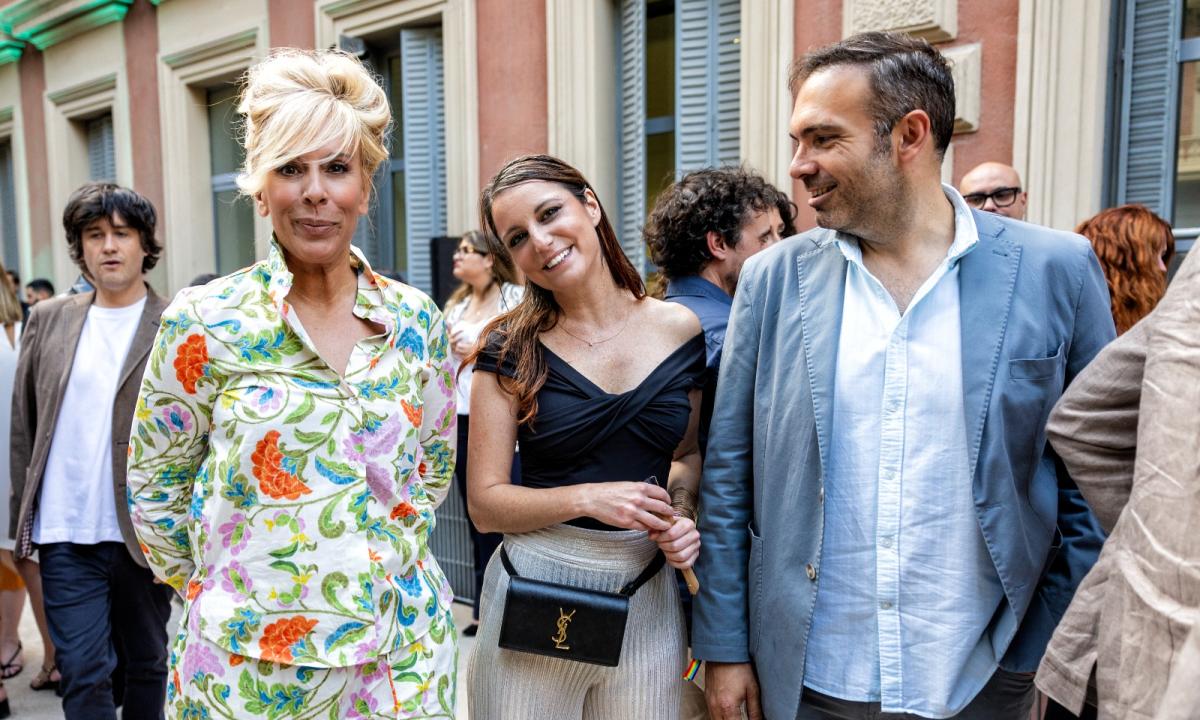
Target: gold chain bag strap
[{"x": 562, "y": 621}]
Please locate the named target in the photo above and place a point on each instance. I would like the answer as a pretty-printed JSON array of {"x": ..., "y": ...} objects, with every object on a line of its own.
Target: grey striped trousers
[{"x": 647, "y": 685}]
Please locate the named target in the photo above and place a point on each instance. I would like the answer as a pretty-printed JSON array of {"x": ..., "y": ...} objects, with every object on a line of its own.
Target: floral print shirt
[{"x": 292, "y": 506}]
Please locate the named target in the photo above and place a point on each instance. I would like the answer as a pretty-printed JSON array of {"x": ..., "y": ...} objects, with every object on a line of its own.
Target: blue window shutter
[
  {"x": 632, "y": 178},
  {"x": 706, "y": 83},
  {"x": 8, "y": 209},
  {"x": 424, "y": 112},
  {"x": 728, "y": 68},
  {"x": 1149, "y": 111},
  {"x": 102, "y": 161}
]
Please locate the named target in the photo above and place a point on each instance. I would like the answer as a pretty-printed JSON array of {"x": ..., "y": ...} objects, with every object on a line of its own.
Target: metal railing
[{"x": 451, "y": 545}]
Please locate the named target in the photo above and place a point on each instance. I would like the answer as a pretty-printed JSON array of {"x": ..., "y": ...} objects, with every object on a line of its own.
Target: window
[
  {"x": 410, "y": 187},
  {"x": 8, "y": 209},
  {"x": 102, "y": 160},
  {"x": 679, "y": 95},
  {"x": 233, "y": 216},
  {"x": 1155, "y": 143},
  {"x": 1187, "y": 163}
]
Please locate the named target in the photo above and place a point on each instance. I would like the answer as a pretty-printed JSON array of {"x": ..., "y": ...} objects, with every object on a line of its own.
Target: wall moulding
[
  {"x": 363, "y": 17},
  {"x": 87, "y": 99},
  {"x": 10, "y": 50},
  {"x": 44, "y": 23},
  {"x": 934, "y": 20},
  {"x": 966, "y": 63},
  {"x": 236, "y": 49},
  {"x": 1060, "y": 108}
]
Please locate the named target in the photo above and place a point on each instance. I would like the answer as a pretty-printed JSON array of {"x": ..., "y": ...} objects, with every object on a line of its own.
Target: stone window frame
[
  {"x": 184, "y": 78},
  {"x": 357, "y": 18},
  {"x": 67, "y": 111},
  {"x": 582, "y": 91}
]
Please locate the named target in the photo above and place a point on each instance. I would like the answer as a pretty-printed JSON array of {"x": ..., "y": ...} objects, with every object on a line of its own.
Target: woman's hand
[
  {"x": 458, "y": 344},
  {"x": 680, "y": 543},
  {"x": 628, "y": 505}
]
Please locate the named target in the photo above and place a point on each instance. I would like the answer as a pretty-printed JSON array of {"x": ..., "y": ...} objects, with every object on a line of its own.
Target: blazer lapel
[
  {"x": 987, "y": 276},
  {"x": 822, "y": 276},
  {"x": 143, "y": 337}
]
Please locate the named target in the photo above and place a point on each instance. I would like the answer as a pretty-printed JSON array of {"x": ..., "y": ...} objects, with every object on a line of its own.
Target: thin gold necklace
[{"x": 593, "y": 343}]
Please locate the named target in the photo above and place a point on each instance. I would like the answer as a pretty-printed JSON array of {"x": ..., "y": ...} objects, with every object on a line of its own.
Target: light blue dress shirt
[{"x": 907, "y": 588}]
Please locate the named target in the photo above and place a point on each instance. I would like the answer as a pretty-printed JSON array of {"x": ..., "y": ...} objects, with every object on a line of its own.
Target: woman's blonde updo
[{"x": 299, "y": 101}]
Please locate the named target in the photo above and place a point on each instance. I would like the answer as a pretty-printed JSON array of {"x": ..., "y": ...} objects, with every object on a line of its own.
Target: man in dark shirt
[{"x": 700, "y": 232}]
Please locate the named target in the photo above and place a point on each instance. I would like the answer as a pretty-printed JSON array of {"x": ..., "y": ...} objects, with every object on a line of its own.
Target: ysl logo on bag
[{"x": 564, "y": 619}]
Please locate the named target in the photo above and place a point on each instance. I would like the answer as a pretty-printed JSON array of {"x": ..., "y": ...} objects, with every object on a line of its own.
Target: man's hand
[{"x": 729, "y": 686}]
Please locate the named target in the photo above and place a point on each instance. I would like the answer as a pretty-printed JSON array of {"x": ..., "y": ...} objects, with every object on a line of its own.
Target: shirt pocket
[{"x": 1036, "y": 368}]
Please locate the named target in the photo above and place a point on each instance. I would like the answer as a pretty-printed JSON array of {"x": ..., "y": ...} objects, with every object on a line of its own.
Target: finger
[
  {"x": 730, "y": 708},
  {"x": 674, "y": 534},
  {"x": 675, "y": 541},
  {"x": 657, "y": 493},
  {"x": 654, "y": 521},
  {"x": 682, "y": 559},
  {"x": 753, "y": 708},
  {"x": 683, "y": 523},
  {"x": 658, "y": 507}
]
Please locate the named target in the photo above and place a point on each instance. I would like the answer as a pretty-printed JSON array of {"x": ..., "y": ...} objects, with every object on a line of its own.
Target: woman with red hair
[{"x": 1135, "y": 246}]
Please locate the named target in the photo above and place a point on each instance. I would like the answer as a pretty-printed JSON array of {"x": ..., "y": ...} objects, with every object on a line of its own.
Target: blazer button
[
  {"x": 821, "y": 495},
  {"x": 810, "y": 571}
]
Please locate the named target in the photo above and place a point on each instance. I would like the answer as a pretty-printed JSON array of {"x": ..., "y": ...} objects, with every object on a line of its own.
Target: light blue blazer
[{"x": 1035, "y": 310}]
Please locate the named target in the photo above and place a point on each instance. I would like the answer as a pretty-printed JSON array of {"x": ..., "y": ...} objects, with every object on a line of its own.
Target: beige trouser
[{"x": 510, "y": 685}]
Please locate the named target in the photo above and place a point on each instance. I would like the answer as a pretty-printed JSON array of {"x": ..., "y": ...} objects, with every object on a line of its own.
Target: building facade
[{"x": 1093, "y": 101}]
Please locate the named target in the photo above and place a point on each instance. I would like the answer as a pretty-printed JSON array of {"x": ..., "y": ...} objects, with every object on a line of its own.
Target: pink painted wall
[
  {"x": 512, "y": 81},
  {"x": 993, "y": 25},
  {"x": 31, "y": 72},
  {"x": 291, "y": 24},
  {"x": 141, "y": 68}
]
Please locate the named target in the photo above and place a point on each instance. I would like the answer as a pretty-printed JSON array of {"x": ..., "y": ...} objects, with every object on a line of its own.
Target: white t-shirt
[{"x": 76, "y": 504}]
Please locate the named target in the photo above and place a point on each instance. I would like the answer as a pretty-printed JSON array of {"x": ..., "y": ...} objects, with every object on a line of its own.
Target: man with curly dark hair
[
  {"x": 75, "y": 395},
  {"x": 699, "y": 233}
]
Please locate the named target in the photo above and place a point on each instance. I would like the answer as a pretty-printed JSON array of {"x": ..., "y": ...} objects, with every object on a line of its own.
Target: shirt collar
[
  {"x": 698, "y": 286},
  {"x": 966, "y": 234},
  {"x": 368, "y": 304}
]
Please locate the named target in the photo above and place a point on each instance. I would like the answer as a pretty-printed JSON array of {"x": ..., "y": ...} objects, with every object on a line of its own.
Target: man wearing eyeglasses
[{"x": 994, "y": 187}]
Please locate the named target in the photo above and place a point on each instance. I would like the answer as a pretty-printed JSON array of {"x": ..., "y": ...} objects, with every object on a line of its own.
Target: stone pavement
[{"x": 29, "y": 705}]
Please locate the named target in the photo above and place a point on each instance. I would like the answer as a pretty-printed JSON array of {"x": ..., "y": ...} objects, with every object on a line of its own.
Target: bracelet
[{"x": 683, "y": 502}]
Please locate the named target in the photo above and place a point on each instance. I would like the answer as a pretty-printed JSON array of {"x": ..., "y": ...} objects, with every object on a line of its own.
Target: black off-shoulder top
[{"x": 583, "y": 434}]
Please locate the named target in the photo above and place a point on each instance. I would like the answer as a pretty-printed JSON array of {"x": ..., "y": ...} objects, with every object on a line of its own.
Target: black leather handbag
[{"x": 567, "y": 622}]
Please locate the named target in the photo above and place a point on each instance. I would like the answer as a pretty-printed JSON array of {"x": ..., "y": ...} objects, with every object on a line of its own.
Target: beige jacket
[
  {"x": 47, "y": 354},
  {"x": 1128, "y": 429}
]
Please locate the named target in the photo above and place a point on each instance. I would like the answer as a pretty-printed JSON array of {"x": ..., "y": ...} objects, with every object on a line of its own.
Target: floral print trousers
[{"x": 417, "y": 681}]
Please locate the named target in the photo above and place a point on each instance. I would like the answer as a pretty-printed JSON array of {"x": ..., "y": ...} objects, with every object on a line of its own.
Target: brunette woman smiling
[{"x": 600, "y": 384}]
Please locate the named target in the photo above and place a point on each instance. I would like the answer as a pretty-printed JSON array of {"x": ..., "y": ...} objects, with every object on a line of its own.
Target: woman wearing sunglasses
[{"x": 489, "y": 287}]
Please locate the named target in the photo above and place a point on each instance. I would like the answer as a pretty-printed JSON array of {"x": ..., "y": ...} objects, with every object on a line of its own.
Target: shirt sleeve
[
  {"x": 439, "y": 417},
  {"x": 169, "y": 441},
  {"x": 489, "y": 361}
]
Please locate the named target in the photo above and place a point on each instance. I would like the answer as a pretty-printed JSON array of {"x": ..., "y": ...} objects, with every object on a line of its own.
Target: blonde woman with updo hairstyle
[{"x": 294, "y": 434}]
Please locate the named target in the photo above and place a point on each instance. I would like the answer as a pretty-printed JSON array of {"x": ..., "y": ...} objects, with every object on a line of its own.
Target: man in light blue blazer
[{"x": 886, "y": 530}]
